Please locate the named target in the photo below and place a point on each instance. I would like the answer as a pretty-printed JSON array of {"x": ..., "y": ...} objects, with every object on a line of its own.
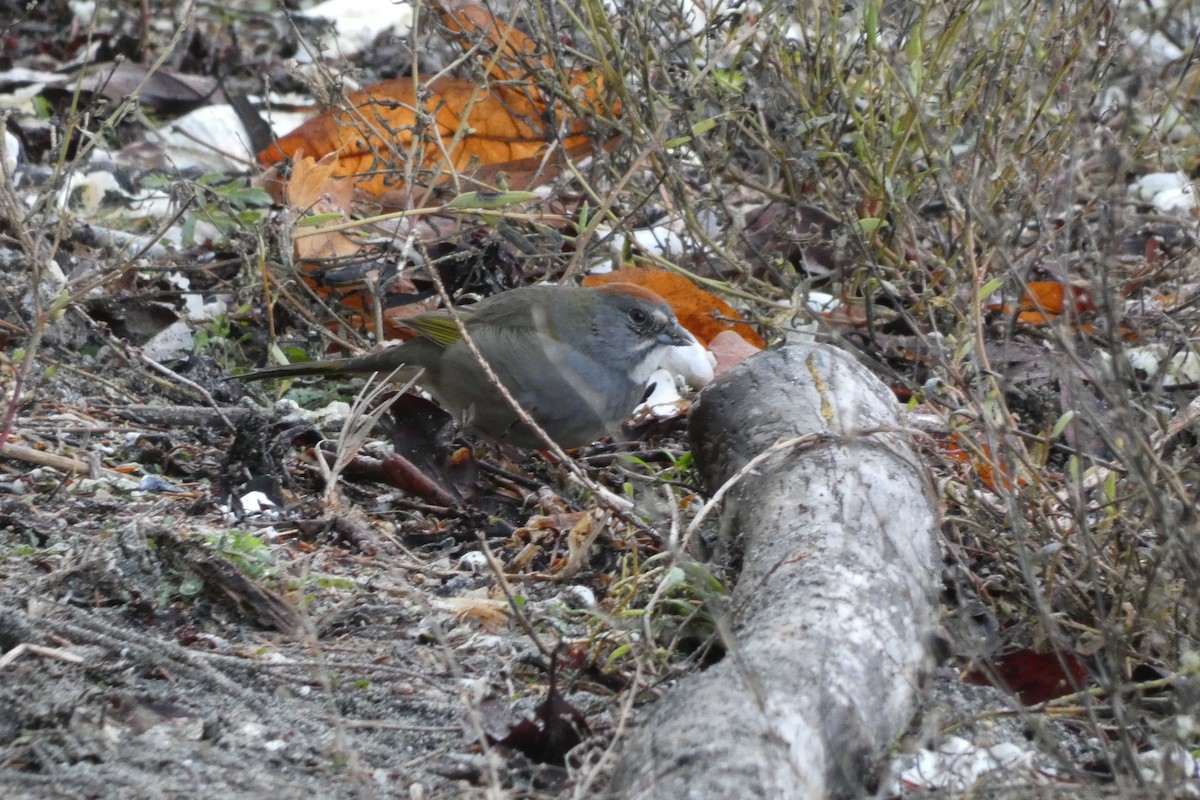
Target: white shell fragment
[
  {"x": 12, "y": 153},
  {"x": 255, "y": 502},
  {"x": 357, "y": 23},
  {"x": 957, "y": 765},
  {"x": 1174, "y": 366},
  {"x": 693, "y": 363},
  {"x": 210, "y": 138},
  {"x": 1168, "y": 192},
  {"x": 664, "y": 401}
]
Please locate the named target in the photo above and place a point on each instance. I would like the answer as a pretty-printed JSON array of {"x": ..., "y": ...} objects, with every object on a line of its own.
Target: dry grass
[{"x": 923, "y": 164}]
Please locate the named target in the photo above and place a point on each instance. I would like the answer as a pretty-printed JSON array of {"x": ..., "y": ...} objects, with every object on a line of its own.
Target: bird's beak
[
  {"x": 687, "y": 357},
  {"x": 678, "y": 336}
]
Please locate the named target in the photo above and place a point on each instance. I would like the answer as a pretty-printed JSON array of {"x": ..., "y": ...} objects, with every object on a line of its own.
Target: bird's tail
[{"x": 384, "y": 362}]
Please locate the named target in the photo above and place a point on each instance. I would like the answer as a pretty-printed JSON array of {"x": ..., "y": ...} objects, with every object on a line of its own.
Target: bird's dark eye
[{"x": 638, "y": 317}]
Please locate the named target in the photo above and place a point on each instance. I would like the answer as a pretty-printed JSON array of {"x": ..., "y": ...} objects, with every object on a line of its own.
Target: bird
[{"x": 577, "y": 359}]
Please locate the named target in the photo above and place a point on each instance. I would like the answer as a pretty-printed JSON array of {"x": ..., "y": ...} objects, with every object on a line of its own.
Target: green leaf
[
  {"x": 42, "y": 108},
  {"x": 320, "y": 219},
  {"x": 619, "y": 652},
  {"x": 699, "y": 129},
  {"x": 187, "y": 234},
  {"x": 990, "y": 288},
  {"x": 489, "y": 201},
  {"x": 630, "y": 458},
  {"x": 190, "y": 587},
  {"x": 812, "y": 125},
  {"x": 704, "y": 126},
  {"x": 916, "y": 65},
  {"x": 729, "y": 79},
  {"x": 156, "y": 181},
  {"x": 255, "y": 196},
  {"x": 675, "y": 576},
  {"x": 871, "y": 21},
  {"x": 868, "y": 225},
  {"x": 1062, "y": 423},
  {"x": 335, "y": 583},
  {"x": 288, "y": 355}
]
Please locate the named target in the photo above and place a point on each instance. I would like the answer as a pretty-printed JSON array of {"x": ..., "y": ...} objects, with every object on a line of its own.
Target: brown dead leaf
[
  {"x": 157, "y": 88},
  {"x": 730, "y": 349},
  {"x": 477, "y": 604},
  {"x": 314, "y": 190},
  {"x": 580, "y": 539},
  {"x": 556, "y": 728}
]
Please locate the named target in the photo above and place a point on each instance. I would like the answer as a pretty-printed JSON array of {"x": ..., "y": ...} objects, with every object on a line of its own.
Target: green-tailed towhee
[{"x": 577, "y": 359}]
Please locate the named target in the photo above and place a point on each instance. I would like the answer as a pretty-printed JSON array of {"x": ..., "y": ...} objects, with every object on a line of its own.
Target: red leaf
[{"x": 1033, "y": 677}]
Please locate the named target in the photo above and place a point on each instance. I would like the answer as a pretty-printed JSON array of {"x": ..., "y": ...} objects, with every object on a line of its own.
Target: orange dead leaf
[
  {"x": 701, "y": 312},
  {"x": 512, "y": 55},
  {"x": 360, "y": 288},
  {"x": 1045, "y": 301},
  {"x": 315, "y": 191},
  {"x": 994, "y": 474},
  {"x": 449, "y": 125}
]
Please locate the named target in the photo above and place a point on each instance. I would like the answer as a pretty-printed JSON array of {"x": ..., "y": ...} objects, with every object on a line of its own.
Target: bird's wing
[
  {"x": 437, "y": 326},
  {"x": 513, "y": 311}
]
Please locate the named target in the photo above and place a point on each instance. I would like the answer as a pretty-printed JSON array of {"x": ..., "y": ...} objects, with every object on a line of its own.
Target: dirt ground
[{"x": 154, "y": 647}]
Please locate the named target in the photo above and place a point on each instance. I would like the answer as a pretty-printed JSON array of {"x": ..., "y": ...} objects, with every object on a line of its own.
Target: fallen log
[{"x": 832, "y": 518}]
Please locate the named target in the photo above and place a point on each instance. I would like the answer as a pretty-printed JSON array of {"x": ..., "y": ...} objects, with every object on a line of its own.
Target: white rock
[
  {"x": 658, "y": 240},
  {"x": 1152, "y": 183},
  {"x": 170, "y": 341},
  {"x": 199, "y": 311},
  {"x": 22, "y": 100},
  {"x": 1156, "y": 47},
  {"x": 473, "y": 561},
  {"x": 957, "y": 764},
  {"x": 84, "y": 11},
  {"x": 85, "y": 191},
  {"x": 1171, "y": 766},
  {"x": 210, "y": 138},
  {"x": 580, "y": 596}
]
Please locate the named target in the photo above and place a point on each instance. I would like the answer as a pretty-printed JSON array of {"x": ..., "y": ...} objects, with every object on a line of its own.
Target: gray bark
[{"x": 832, "y": 611}]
